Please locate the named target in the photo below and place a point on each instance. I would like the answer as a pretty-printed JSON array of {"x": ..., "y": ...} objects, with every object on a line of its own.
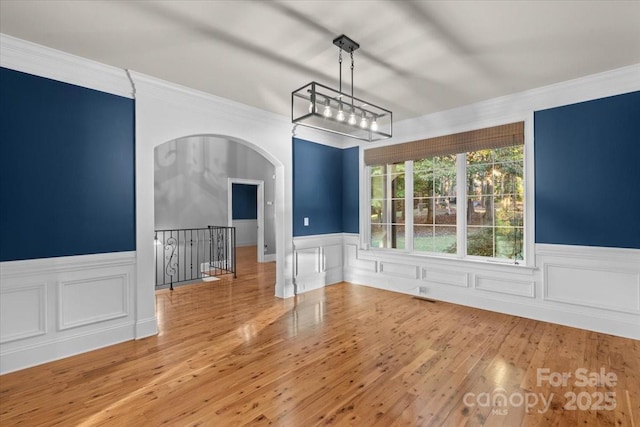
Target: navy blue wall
[
  {"x": 587, "y": 169},
  {"x": 66, "y": 169},
  {"x": 321, "y": 187},
  {"x": 351, "y": 190},
  {"x": 244, "y": 201}
]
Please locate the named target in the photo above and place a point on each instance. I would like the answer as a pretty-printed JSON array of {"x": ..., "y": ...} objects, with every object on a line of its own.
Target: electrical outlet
[
  {"x": 306, "y": 221},
  {"x": 422, "y": 290}
]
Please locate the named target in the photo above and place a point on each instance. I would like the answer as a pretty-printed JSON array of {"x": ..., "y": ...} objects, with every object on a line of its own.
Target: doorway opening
[
  {"x": 194, "y": 180},
  {"x": 246, "y": 213}
]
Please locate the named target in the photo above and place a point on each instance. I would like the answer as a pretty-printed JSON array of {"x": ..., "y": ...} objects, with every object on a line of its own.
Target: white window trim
[
  {"x": 528, "y": 220},
  {"x": 529, "y": 193},
  {"x": 461, "y": 208},
  {"x": 408, "y": 206}
]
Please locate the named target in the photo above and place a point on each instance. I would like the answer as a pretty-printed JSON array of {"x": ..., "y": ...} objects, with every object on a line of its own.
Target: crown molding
[
  {"x": 518, "y": 105},
  {"x": 587, "y": 88},
  {"x": 191, "y": 98},
  {"x": 31, "y": 58},
  {"x": 173, "y": 93}
]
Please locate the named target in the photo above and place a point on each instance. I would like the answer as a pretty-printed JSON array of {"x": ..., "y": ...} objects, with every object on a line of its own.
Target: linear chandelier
[{"x": 318, "y": 106}]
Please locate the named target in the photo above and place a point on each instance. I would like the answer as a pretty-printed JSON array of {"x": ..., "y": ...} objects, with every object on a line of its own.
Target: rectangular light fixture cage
[{"x": 317, "y": 106}]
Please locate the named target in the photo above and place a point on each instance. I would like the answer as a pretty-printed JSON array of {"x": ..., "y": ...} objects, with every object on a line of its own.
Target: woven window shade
[{"x": 463, "y": 142}]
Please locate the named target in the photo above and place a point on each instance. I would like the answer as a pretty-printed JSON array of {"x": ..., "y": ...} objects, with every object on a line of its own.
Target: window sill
[{"x": 451, "y": 261}]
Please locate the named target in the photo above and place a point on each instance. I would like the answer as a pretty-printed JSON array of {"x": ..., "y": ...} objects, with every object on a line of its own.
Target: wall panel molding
[
  {"x": 84, "y": 302},
  {"x": 353, "y": 260},
  {"x": 591, "y": 277},
  {"x": 445, "y": 277},
  {"x": 308, "y": 261},
  {"x": 505, "y": 286},
  {"x": 88, "y": 297},
  {"x": 405, "y": 271},
  {"x": 23, "y": 312},
  {"x": 600, "y": 288},
  {"x": 318, "y": 261},
  {"x": 566, "y": 286},
  {"x": 332, "y": 257}
]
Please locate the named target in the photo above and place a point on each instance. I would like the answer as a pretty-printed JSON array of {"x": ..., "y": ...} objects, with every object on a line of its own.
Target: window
[
  {"x": 434, "y": 204},
  {"x": 387, "y": 206},
  {"x": 495, "y": 204},
  {"x": 448, "y": 201}
]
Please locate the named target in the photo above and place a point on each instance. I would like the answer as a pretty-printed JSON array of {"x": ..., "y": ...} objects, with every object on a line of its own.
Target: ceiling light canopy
[{"x": 318, "y": 106}]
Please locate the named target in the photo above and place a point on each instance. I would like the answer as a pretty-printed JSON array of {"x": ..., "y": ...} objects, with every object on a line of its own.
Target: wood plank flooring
[{"x": 230, "y": 353}]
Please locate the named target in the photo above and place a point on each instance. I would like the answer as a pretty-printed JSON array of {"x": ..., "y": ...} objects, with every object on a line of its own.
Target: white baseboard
[
  {"x": 58, "y": 348},
  {"x": 146, "y": 328}
]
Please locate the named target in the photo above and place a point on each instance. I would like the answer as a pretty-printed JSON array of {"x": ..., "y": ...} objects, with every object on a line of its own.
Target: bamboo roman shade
[{"x": 463, "y": 142}]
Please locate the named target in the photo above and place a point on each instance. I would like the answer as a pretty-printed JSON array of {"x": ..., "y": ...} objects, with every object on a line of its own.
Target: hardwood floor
[{"x": 230, "y": 353}]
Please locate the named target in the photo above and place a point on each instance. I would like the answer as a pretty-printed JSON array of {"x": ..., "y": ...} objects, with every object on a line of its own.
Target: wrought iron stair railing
[{"x": 192, "y": 254}]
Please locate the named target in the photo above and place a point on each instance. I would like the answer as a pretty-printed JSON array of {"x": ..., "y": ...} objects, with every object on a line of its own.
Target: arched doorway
[
  {"x": 165, "y": 112},
  {"x": 195, "y": 179}
]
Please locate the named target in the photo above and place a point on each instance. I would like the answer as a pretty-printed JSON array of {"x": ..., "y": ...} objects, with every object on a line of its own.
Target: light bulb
[
  {"x": 327, "y": 111},
  {"x": 352, "y": 119},
  {"x": 311, "y": 107},
  {"x": 340, "y": 116},
  {"x": 374, "y": 125},
  {"x": 363, "y": 121}
]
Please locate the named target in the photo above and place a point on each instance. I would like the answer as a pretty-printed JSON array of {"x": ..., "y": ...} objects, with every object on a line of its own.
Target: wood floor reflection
[{"x": 231, "y": 353}]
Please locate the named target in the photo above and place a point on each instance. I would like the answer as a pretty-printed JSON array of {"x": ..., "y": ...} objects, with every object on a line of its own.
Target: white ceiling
[{"x": 416, "y": 57}]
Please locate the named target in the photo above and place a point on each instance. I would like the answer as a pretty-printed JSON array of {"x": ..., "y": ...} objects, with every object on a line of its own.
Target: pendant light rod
[
  {"x": 340, "y": 67},
  {"x": 351, "y": 81}
]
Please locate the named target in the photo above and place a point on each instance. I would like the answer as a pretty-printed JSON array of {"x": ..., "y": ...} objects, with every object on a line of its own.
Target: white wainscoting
[
  {"x": 27, "y": 309},
  {"x": 318, "y": 261},
  {"x": 591, "y": 288},
  {"x": 57, "y": 307}
]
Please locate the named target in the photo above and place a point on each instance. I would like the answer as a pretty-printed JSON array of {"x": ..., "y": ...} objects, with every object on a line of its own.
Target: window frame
[{"x": 461, "y": 210}]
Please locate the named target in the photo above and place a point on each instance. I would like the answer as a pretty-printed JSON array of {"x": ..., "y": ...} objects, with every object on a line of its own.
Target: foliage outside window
[
  {"x": 434, "y": 204},
  {"x": 495, "y": 205},
  {"x": 492, "y": 204},
  {"x": 387, "y": 206}
]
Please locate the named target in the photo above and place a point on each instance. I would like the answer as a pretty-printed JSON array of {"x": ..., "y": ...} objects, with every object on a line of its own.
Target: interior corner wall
[
  {"x": 325, "y": 189},
  {"x": 587, "y": 176},
  {"x": 317, "y": 188},
  {"x": 66, "y": 169}
]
